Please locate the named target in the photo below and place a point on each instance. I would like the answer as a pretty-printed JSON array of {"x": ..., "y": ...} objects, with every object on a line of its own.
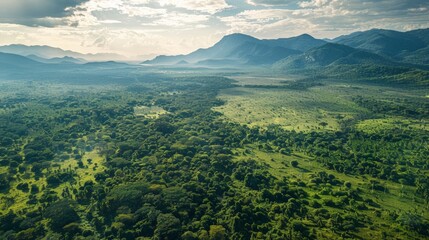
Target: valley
[{"x": 291, "y": 138}]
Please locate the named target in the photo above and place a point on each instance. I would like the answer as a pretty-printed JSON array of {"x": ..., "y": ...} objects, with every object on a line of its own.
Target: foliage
[{"x": 80, "y": 164}]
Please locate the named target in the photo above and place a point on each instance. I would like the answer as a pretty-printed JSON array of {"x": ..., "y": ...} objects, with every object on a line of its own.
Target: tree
[
  {"x": 167, "y": 227},
  {"x": 61, "y": 214},
  {"x": 294, "y": 163},
  {"x": 217, "y": 232},
  {"x": 189, "y": 236}
]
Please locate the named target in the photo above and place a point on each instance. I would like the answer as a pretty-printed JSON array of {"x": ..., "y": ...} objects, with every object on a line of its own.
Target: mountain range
[
  {"x": 44, "y": 53},
  {"x": 240, "y": 49},
  {"x": 376, "y": 47}
]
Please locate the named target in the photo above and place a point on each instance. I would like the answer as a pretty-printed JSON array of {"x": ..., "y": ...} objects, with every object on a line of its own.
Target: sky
[{"x": 141, "y": 29}]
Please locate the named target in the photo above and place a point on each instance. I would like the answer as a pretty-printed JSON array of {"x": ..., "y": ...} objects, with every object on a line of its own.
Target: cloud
[
  {"x": 142, "y": 11},
  {"x": 268, "y": 2},
  {"x": 141, "y": 27},
  {"x": 152, "y": 14},
  {"x": 327, "y": 18},
  {"x": 313, "y": 3},
  {"x": 268, "y": 23},
  {"x": 176, "y": 19},
  {"x": 207, "y": 6},
  {"x": 109, "y": 21},
  {"x": 380, "y": 6},
  {"x": 47, "y": 13}
]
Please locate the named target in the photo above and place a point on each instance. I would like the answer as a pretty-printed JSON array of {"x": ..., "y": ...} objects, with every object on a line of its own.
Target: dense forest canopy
[{"x": 81, "y": 163}]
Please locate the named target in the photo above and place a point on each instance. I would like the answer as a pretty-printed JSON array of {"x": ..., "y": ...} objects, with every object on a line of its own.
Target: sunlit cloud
[
  {"x": 268, "y": 2},
  {"x": 208, "y": 6},
  {"x": 148, "y": 27}
]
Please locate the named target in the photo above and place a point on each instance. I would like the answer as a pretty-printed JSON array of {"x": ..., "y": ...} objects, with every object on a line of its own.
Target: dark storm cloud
[{"x": 47, "y": 13}]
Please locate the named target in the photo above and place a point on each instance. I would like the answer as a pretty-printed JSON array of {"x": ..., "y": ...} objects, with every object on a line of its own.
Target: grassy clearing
[
  {"x": 93, "y": 163},
  {"x": 263, "y": 80},
  {"x": 317, "y": 109},
  {"x": 385, "y": 124},
  {"x": 152, "y": 112}
]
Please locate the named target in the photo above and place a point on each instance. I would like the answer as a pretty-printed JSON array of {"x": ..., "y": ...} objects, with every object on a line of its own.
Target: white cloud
[
  {"x": 109, "y": 21},
  {"x": 207, "y": 6},
  {"x": 141, "y": 11},
  {"x": 313, "y": 3},
  {"x": 97, "y": 5},
  {"x": 264, "y": 14},
  {"x": 268, "y": 3},
  {"x": 177, "y": 19}
]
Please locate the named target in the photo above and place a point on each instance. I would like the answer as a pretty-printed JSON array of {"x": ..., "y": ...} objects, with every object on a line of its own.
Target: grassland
[
  {"x": 152, "y": 112},
  {"x": 318, "y": 108},
  {"x": 385, "y": 124}
]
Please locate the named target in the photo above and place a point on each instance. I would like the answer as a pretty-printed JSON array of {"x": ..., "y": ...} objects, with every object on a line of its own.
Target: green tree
[
  {"x": 217, "y": 232},
  {"x": 168, "y": 227},
  {"x": 61, "y": 214}
]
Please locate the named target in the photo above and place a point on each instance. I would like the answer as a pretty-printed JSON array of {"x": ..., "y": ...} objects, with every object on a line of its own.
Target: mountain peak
[
  {"x": 306, "y": 36},
  {"x": 238, "y": 37},
  {"x": 240, "y": 48}
]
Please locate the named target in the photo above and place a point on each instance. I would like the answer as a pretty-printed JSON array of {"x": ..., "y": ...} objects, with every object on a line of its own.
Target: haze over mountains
[
  {"x": 376, "y": 47},
  {"x": 242, "y": 49},
  {"x": 47, "y": 52}
]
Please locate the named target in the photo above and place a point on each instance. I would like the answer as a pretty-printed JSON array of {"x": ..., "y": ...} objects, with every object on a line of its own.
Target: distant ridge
[
  {"x": 65, "y": 59},
  {"x": 13, "y": 62},
  {"x": 401, "y": 46},
  {"x": 48, "y": 52}
]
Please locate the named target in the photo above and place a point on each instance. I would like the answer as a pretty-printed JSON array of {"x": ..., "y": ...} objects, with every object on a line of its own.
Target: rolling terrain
[{"x": 294, "y": 138}]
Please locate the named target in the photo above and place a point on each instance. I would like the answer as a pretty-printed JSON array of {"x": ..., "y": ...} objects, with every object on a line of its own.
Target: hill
[
  {"x": 330, "y": 54},
  {"x": 13, "y": 62},
  {"x": 393, "y": 44},
  {"x": 342, "y": 62},
  {"x": 65, "y": 59},
  {"x": 48, "y": 52},
  {"x": 241, "y": 49}
]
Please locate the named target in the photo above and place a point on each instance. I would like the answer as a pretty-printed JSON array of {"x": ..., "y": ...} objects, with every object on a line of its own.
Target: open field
[
  {"x": 318, "y": 108},
  {"x": 149, "y": 112},
  {"x": 263, "y": 80},
  {"x": 383, "y": 124}
]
